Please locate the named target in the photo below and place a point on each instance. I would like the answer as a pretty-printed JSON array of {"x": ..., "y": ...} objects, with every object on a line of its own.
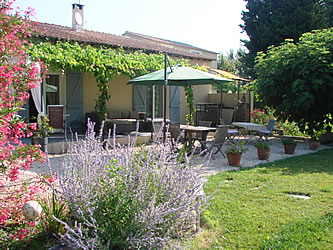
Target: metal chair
[
  {"x": 264, "y": 134},
  {"x": 220, "y": 138},
  {"x": 232, "y": 133},
  {"x": 158, "y": 130},
  {"x": 205, "y": 123},
  {"x": 176, "y": 134}
]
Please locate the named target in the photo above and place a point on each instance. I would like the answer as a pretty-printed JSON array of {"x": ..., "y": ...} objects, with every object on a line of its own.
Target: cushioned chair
[
  {"x": 264, "y": 134},
  {"x": 220, "y": 137}
]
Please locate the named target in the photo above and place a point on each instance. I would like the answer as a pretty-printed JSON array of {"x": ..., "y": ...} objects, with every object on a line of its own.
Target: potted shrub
[
  {"x": 263, "y": 150},
  {"x": 289, "y": 145},
  {"x": 234, "y": 153},
  {"x": 314, "y": 142},
  {"x": 40, "y": 135}
]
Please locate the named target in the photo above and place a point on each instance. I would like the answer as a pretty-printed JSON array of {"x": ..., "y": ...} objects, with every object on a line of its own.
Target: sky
[{"x": 212, "y": 24}]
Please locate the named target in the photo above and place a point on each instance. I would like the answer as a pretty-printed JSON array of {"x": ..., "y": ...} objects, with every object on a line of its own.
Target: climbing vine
[
  {"x": 104, "y": 63},
  {"x": 190, "y": 104},
  {"x": 190, "y": 98}
]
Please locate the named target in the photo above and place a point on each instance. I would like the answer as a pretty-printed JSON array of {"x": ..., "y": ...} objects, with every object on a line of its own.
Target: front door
[{"x": 74, "y": 100}]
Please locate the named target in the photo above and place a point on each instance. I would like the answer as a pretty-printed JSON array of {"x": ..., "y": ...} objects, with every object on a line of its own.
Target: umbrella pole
[
  {"x": 249, "y": 105},
  {"x": 164, "y": 95},
  {"x": 221, "y": 102},
  {"x": 152, "y": 110}
]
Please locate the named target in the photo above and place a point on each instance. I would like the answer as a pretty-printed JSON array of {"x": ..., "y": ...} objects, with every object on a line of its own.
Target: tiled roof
[
  {"x": 160, "y": 40},
  {"x": 88, "y": 36},
  {"x": 229, "y": 75}
]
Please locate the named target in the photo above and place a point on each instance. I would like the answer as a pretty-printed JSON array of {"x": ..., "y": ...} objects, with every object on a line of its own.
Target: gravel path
[{"x": 249, "y": 158}]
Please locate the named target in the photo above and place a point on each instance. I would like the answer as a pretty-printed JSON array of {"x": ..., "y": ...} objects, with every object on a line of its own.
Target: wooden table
[{"x": 189, "y": 130}]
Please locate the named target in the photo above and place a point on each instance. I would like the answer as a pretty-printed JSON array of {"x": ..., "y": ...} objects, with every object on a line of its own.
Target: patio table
[
  {"x": 202, "y": 131},
  {"x": 249, "y": 126}
]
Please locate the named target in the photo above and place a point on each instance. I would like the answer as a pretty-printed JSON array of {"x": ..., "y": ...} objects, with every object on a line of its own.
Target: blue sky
[{"x": 210, "y": 24}]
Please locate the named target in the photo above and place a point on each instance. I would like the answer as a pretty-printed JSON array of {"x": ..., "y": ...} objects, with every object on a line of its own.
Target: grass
[{"x": 252, "y": 208}]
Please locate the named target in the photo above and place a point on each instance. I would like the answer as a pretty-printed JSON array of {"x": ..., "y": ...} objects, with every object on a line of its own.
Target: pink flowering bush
[
  {"x": 17, "y": 76},
  {"x": 262, "y": 116}
]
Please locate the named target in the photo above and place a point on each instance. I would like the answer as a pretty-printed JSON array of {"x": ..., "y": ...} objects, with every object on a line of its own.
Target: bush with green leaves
[
  {"x": 236, "y": 148},
  {"x": 286, "y": 141},
  {"x": 129, "y": 197},
  {"x": 261, "y": 144},
  {"x": 296, "y": 78}
]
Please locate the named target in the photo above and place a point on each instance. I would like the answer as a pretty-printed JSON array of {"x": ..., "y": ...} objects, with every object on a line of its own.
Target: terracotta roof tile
[{"x": 67, "y": 33}]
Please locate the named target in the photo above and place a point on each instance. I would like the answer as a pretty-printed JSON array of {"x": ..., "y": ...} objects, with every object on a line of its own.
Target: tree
[
  {"x": 230, "y": 61},
  {"x": 296, "y": 78},
  {"x": 270, "y": 22}
]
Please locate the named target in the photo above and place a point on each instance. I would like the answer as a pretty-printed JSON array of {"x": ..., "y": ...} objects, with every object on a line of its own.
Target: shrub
[
  {"x": 17, "y": 76},
  {"x": 288, "y": 141},
  {"x": 261, "y": 144},
  {"x": 262, "y": 116},
  {"x": 127, "y": 196},
  {"x": 291, "y": 128},
  {"x": 236, "y": 148}
]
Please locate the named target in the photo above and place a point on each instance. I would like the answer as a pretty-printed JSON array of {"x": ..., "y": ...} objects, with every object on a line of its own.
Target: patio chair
[
  {"x": 176, "y": 135},
  {"x": 232, "y": 133},
  {"x": 220, "y": 138},
  {"x": 205, "y": 123},
  {"x": 158, "y": 130},
  {"x": 264, "y": 134}
]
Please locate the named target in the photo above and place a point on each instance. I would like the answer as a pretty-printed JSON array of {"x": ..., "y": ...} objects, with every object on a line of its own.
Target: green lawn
[{"x": 253, "y": 207}]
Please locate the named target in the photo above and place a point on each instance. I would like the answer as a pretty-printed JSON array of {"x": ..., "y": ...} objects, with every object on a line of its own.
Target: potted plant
[
  {"x": 289, "y": 145},
  {"x": 234, "y": 153},
  {"x": 263, "y": 150},
  {"x": 314, "y": 142},
  {"x": 40, "y": 135}
]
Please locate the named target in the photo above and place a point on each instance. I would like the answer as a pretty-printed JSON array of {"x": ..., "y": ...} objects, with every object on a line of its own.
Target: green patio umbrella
[
  {"x": 176, "y": 76},
  {"x": 179, "y": 76}
]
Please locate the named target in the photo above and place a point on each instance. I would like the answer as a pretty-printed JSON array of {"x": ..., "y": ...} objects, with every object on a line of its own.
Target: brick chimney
[{"x": 77, "y": 16}]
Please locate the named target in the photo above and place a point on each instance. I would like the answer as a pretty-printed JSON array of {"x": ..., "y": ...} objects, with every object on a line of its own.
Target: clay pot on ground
[
  {"x": 263, "y": 153},
  {"x": 234, "y": 159},
  {"x": 289, "y": 148},
  {"x": 314, "y": 145}
]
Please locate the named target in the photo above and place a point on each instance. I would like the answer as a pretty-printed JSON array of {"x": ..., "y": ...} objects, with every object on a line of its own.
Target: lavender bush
[{"x": 130, "y": 196}]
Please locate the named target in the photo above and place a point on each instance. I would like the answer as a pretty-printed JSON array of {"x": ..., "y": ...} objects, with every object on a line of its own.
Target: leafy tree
[
  {"x": 296, "y": 78},
  {"x": 270, "y": 22},
  {"x": 230, "y": 62}
]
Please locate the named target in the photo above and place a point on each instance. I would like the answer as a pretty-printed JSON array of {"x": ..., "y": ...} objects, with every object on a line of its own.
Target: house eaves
[
  {"x": 164, "y": 41},
  {"x": 87, "y": 36}
]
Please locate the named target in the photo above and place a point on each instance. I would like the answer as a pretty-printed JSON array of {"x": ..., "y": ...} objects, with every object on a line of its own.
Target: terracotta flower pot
[
  {"x": 289, "y": 148},
  {"x": 234, "y": 159},
  {"x": 263, "y": 153},
  {"x": 314, "y": 145}
]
